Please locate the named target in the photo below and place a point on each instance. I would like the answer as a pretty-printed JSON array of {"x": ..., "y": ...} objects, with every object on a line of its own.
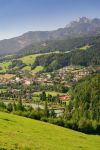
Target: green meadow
[
  {"x": 30, "y": 59},
  {"x": 53, "y": 93},
  {"x": 85, "y": 47},
  {"x": 4, "y": 66},
  {"x": 19, "y": 133},
  {"x": 37, "y": 69}
]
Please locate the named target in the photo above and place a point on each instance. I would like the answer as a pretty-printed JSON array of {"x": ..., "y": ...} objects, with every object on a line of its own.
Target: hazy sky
[{"x": 19, "y": 16}]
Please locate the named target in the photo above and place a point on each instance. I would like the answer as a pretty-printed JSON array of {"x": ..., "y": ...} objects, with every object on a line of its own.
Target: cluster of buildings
[
  {"x": 3, "y": 81},
  {"x": 66, "y": 76},
  {"x": 44, "y": 79},
  {"x": 73, "y": 74},
  {"x": 84, "y": 72}
]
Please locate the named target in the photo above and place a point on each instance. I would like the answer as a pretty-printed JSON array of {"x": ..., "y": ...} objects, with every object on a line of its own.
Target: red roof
[{"x": 64, "y": 97}]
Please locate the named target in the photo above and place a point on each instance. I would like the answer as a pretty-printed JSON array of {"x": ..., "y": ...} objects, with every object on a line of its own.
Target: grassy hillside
[
  {"x": 4, "y": 66},
  {"x": 27, "y": 60},
  {"x": 30, "y": 59},
  {"x": 20, "y": 133},
  {"x": 85, "y": 47},
  {"x": 37, "y": 69}
]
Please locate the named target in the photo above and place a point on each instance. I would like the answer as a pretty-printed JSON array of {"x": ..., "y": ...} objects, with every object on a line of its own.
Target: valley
[
  {"x": 36, "y": 89},
  {"x": 50, "y": 89}
]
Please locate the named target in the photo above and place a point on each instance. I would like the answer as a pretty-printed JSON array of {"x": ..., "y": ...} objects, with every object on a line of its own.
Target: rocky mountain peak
[
  {"x": 84, "y": 20},
  {"x": 80, "y": 27}
]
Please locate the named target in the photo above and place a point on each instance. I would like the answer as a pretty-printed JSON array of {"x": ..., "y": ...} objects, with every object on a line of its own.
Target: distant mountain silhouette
[{"x": 78, "y": 28}]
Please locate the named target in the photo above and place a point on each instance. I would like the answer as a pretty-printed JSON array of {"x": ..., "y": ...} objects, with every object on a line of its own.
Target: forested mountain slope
[
  {"x": 90, "y": 56},
  {"x": 78, "y": 28},
  {"x": 83, "y": 111}
]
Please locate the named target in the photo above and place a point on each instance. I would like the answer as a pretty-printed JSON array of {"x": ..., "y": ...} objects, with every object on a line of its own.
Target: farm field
[
  {"x": 37, "y": 69},
  {"x": 53, "y": 93},
  {"x": 7, "y": 76},
  {"x": 30, "y": 59},
  {"x": 26, "y": 134}
]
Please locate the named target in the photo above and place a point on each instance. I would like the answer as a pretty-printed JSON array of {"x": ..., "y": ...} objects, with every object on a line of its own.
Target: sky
[{"x": 20, "y": 16}]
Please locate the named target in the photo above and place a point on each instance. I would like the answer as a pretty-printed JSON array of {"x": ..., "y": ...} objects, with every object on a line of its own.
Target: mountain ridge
[{"x": 78, "y": 28}]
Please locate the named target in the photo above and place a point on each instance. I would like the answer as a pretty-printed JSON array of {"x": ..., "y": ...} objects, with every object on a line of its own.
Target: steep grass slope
[{"x": 19, "y": 133}]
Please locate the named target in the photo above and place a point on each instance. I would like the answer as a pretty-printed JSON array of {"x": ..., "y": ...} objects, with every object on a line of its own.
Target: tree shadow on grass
[{"x": 8, "y": 120}]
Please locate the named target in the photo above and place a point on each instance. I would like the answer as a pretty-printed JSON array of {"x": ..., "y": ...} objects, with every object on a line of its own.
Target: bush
[
  {"x": 71, "y": 124},
  {"x": 85, "y": 126},
  {"x": 9, "y": 107},
  {"x": 35, "y": 115},
  {"x": 59, "y": 122},
  {"x": 45, "y": 119}
]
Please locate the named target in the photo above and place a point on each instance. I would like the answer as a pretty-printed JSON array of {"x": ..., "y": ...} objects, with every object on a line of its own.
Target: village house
[
  {"x": 17, "y": 79},
  {"x": 27, "y": 82},
  {"x": 64, "y": 98}
]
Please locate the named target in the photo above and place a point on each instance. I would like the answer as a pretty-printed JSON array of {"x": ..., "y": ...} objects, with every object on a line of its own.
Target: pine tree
[{"x": 46, "y": 110}]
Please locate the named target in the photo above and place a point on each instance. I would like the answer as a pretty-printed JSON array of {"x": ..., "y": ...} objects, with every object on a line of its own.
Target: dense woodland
[
  {"x": 83, "y": 111},
  {"x": 76, "y": 57},
  {"x": 60, "y": 45}
]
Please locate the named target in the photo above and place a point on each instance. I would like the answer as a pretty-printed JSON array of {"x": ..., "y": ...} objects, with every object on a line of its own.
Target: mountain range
[{"x": 75, "y": 29}]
